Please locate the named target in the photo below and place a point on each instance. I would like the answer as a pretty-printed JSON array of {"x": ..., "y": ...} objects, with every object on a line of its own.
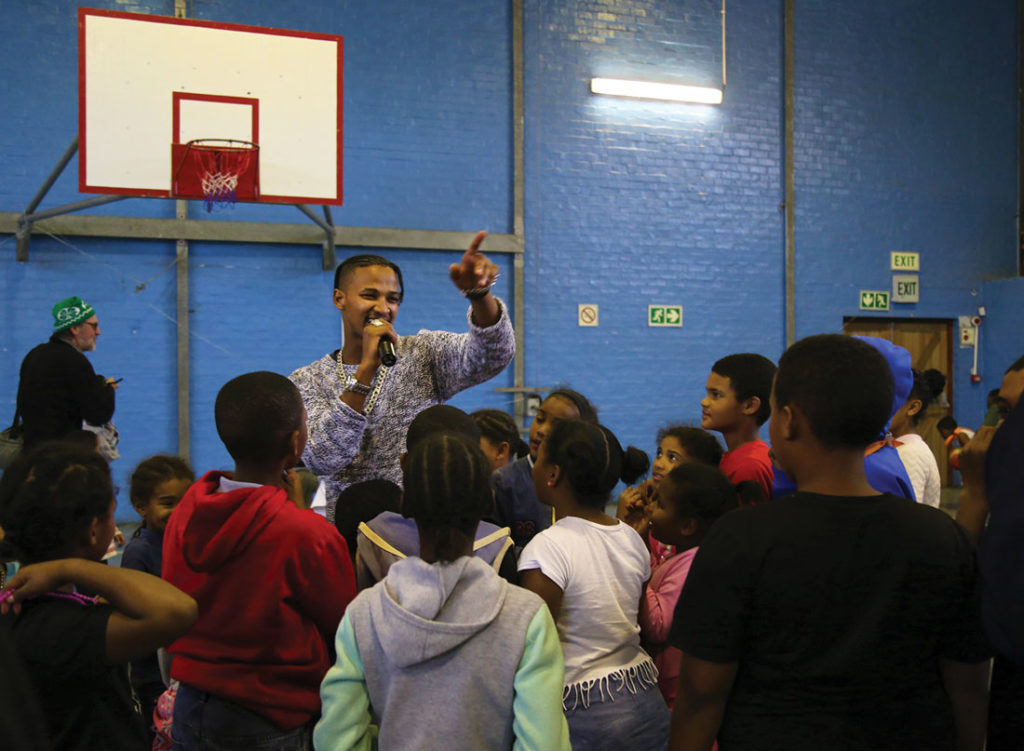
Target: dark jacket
[{"x": 58, "y": 390}]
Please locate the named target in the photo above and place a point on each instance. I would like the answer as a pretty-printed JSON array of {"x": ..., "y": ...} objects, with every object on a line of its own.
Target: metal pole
[
  {"x": 68, "y": 208},
  {"x": 330, "y": 258},
  {"x": 181, "y": 268},
  {"x": 181, "y": 315},
  {"x": 54, "y": 174},
  {"x": 519, "y": 198},
  {"x": 790, "y": 188},
  {"x": 312, "y": 215}
]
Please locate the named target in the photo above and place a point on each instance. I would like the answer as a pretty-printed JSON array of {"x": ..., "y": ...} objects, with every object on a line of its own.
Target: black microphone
[{"x": 386, "y": 351}]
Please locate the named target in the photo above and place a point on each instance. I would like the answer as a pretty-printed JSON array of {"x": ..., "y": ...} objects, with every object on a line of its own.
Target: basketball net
[{"x": 219, "y": 163}]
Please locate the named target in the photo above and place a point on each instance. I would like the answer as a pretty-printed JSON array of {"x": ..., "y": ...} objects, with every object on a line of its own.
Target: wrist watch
[{"x": 351, "y": 384}]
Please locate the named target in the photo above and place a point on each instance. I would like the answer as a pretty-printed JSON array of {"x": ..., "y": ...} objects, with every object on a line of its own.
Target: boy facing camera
[
  {"x": 272, "y": 580},
  {"x": 835, "y": 617},
  {"x": 736, "y": 405}
]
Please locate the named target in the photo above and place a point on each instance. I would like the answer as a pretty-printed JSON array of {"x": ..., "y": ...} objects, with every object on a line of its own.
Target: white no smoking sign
[{"x": 587, "y": 314}]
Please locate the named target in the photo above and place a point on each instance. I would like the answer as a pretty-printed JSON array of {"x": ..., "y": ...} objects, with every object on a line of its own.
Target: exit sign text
[
  {"x": 905, "y": 288},
  {"x": 905, "y": 262}
]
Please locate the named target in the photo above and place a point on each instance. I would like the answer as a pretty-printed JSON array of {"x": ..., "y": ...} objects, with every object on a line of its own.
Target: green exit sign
[
  {"x": 905, "y": 261},
  {"x": 664, "y": 315},
  {"x": 872, "y": 299}
]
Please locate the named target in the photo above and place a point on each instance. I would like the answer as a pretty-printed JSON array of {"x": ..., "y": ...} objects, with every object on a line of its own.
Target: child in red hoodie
[{"x": 272, "y": 580}]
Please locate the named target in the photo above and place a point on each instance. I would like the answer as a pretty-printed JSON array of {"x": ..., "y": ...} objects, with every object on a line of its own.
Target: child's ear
[
  {"x": 751, "y": 405},
  {"x": 296, "y": 444},
  {"x": 554, "y": 476},
  {"x": 504, "y": 450},
  {"x": 913, "y": 407},
  {"x": 785, "y": 418},
  {"x": 402, "y": 460},
  {"x": 689, "y": 527}
]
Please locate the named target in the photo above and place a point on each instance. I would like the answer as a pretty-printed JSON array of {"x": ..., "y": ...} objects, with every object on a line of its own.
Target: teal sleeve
[
  {"x": 538, "y": 720},
  {"x": 345, "y": 722}
]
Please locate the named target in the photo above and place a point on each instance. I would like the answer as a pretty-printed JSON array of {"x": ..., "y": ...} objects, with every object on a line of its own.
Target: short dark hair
[
  {"x": 48, "y": 497},
  {"x": 588, "y": 412},
  {"x": 750, "y": 375},
  {"x": 255, "y": 414},
  {"x": 841, "y": 384},
  {"x": 155, "y": 470},
  {"x": 362, "y": 261},
  {"x": 440, "y": 418},
  {"x": 362, "y": 501},
  {"x": 947, "y": 423},
  {"x": 592, "y": 459},
  {"x": 1018, "y": 364},
  {"x": 927, "y": 386},
  {"x": 447, "y": 481},
  {"x": 498, "y": 426},
  {"x": 699, "y": 443},
  {"x": 702, "y": 493}
]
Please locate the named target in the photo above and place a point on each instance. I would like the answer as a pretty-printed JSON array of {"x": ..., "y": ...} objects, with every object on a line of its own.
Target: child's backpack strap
[
  {"x": 379, "y": 541},
  {"x": 493, "y": 537}
]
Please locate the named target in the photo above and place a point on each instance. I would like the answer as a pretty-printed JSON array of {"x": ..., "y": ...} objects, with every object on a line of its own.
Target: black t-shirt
[
  {"x": 87, "y": 703},
  {"x": 837, "y": 611}
]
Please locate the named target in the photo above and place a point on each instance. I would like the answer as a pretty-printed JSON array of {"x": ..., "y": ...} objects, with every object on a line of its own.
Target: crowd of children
[{"x": 752, "y": 597}]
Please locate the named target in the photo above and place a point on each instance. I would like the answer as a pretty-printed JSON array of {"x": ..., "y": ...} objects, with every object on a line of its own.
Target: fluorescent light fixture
[{"x": 649, "y": 90}]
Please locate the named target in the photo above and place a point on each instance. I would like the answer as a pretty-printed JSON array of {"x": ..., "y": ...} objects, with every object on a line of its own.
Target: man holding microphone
[{"x": 359, "y": 408}]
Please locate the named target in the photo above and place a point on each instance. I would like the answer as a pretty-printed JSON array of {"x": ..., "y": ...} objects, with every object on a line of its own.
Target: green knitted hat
[{"x": 71, "y": 312}]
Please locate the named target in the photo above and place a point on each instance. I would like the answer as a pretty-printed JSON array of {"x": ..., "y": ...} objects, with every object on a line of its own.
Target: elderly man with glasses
[{"x": 58, "y": 389}]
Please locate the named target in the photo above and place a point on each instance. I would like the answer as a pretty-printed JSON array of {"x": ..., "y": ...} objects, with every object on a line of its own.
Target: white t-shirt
[
  {"x": 922, "y": 469},
  {"x": 601, "y": 570}
]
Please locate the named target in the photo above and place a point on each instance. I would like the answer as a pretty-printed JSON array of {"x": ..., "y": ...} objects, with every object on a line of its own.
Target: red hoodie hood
[{"x": 220, "y": 526}]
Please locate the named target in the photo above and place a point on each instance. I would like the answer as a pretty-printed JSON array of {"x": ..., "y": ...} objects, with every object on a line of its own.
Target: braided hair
[{"x": 447, "y": 481}]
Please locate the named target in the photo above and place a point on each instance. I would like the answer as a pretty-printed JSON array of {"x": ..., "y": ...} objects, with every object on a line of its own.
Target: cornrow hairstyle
[
  {"x": 698, "y": 443},
  {"x": 588, "y": 412},
  {"x": 255, "y": 415},
  {"x": 48, "y": 497},
  {"x": 152, "y": 472},
  {"x": 750, "y": 375},
  {"x": 498, "y": 426},
  {"x": 592, "y": 460},
  {"x": 702, "y": 493},
  {"x": 927, "y": 387},
  {"x": 447, "y": 481},
  {"x": 842, "y": 385},
  {"x": 363, "y": 261}
]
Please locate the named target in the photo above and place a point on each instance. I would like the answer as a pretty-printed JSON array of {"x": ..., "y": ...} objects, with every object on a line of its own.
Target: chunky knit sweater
[{"x": 346, "y": 446}]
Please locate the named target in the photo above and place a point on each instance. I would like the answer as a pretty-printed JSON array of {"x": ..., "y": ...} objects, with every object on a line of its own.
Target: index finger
[{"x": 474, "y": 246}]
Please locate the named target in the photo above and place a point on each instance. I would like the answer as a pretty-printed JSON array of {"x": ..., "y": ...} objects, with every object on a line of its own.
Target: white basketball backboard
[{"x": 146, "y": 82}]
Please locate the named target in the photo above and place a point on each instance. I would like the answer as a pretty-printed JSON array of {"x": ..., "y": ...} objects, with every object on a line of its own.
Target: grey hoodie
[{"x": 441, "y": 646}]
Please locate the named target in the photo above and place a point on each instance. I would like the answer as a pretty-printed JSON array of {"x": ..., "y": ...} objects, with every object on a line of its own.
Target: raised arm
[
  {"x": 972, "y": 511},
  {"x": 148, "y": 612},
  {"x": 473, "y": 277}
]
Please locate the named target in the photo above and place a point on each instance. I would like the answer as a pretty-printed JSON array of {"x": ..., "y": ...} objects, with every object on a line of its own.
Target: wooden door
[{"x": 930, "y": 343}]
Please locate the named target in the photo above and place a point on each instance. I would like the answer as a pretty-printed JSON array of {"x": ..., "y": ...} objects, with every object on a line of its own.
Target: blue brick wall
[{"x": 905, "y": 140}]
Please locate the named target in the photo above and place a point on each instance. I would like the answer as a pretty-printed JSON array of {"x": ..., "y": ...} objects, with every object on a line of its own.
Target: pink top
[{"x": 657, "y": 607}]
